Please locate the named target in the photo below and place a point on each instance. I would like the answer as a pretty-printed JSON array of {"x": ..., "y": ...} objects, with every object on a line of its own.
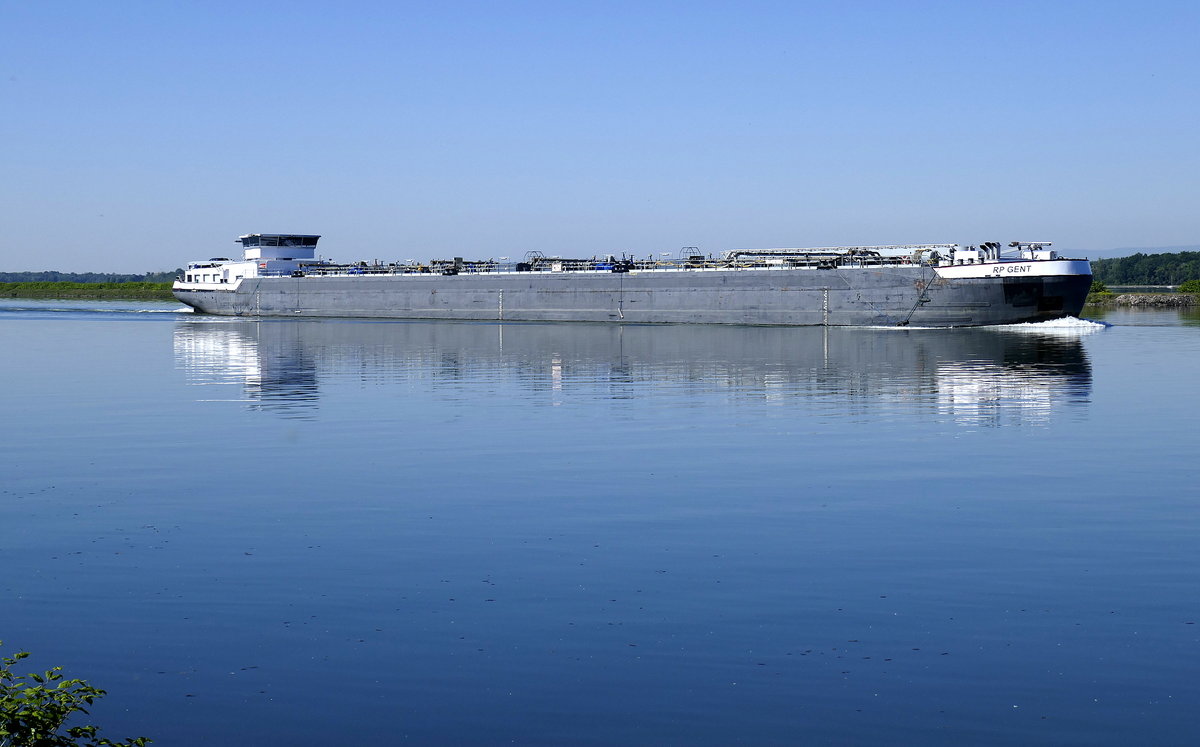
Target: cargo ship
[{"x": 925, "y": 285}]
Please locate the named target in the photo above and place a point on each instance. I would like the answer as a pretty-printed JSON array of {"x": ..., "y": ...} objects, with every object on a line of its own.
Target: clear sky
[{"x": 135, "y": 136}]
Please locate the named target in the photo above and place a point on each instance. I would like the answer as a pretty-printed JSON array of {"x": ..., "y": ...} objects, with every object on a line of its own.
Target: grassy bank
[{"x": 125, "y": 291}]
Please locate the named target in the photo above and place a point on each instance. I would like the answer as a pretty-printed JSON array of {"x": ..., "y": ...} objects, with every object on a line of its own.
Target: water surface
[{"x": 328, "y": 531}]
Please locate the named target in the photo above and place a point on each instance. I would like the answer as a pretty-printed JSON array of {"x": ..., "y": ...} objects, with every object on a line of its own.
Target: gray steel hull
[{"x": 803, "y": 297}]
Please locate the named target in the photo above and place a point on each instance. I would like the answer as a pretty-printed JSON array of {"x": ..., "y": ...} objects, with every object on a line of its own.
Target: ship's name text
[{"x": 1011, "y": 269}]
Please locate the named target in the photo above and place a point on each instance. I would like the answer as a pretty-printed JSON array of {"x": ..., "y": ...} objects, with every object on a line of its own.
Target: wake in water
[
  {"x": 84, "y": 306},
  {"x": 77, "y": 310},
  {"x": 1067, "y": 327}
]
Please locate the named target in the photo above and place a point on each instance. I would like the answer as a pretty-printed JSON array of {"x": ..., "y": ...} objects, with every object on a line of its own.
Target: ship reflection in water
[{"x": 978, "y": 376}]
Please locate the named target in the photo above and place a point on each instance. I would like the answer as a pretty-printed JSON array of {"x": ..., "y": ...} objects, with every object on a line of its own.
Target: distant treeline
[
  {"x": 52, "y": 276},
  {"x": 1148, "y": 269},
  {"x": 53, "y": 289}
]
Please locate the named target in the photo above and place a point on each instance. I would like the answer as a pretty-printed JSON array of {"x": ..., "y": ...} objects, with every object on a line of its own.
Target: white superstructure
[{"x": 263, "y": 254}]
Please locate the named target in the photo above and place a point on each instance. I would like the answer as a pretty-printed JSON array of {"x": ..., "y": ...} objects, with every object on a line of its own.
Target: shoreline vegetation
[
  {"x": 1186, "y": 294},
  {"x": 129, "y": 291}
]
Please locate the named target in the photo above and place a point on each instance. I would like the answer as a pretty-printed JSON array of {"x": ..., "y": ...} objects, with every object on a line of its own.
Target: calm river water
[{"x": 285, "y": 532}]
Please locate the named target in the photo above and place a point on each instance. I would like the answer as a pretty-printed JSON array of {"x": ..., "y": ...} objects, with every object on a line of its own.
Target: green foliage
[
  {"x": 1148, "y": 269},
  {"x": 35, "y": 708},
  {"x": 1098, "y": 287},
  {"x": 1190, "y": 286},
  {"x": 54, "y": 285},
  {"x": 56, "y": 289}
]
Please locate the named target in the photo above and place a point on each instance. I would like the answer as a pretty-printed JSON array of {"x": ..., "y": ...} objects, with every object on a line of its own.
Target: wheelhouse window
[{"x": 278, "y": 240}]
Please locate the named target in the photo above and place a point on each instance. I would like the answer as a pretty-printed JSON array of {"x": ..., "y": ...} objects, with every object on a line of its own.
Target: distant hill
[
  {"x": 1125, "y": 251},
  {"x": 53, "y": 276},
  {"x": 1128, "y": 250},
  {"x": 1170, "y": 268}
]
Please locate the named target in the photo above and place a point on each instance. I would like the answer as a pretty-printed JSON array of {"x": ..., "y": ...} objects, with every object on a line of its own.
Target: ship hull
[{"x": 885, "y": 296}]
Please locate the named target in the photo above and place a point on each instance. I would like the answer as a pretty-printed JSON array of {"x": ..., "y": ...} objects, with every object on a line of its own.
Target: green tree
[
  {"x": 1170, "y": 268},
  {"x": 35, "y": 708},
  {"x": 1098, "y": 287},
  {"x": 1190, "y": 286}
]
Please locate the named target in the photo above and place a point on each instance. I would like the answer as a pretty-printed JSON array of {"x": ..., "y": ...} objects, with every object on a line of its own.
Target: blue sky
[{"x": 135, "y": 136}]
